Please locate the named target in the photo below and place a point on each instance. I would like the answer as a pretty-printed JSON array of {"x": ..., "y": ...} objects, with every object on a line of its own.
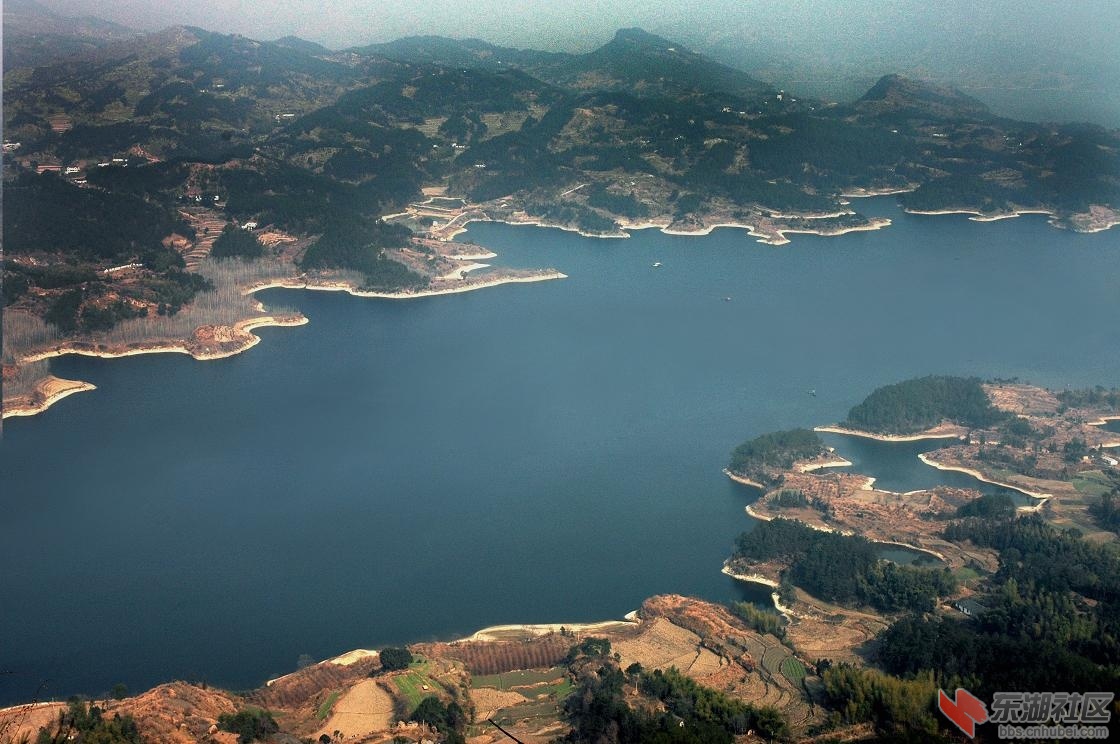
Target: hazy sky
[{"x": 1088, "y": 24}]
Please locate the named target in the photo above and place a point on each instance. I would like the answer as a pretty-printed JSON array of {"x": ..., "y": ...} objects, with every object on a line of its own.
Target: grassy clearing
[
  {"x": 328, "y": 704},
  {"x": 793, "y": 670},
  {"x": 1092, "y": 483},
  {"x": 965, "y": 574}
]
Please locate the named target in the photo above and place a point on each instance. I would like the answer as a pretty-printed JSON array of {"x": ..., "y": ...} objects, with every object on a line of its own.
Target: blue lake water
[
  {"x": 398, "y": 471},
  {"x": 896, "y": 466}
]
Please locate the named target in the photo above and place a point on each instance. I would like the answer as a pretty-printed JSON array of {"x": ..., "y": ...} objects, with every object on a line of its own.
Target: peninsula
[{"x": 981, "y": 563}]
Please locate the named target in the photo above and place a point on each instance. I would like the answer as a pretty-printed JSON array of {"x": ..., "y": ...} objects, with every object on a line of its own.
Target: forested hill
[
  {"x": 321, "y": 144},
  {"x": 915, "y": 405}
]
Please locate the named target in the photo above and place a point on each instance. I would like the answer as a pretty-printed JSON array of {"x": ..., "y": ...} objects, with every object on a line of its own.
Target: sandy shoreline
[
  {"x": 1044, "y": 497},
  {"x": 503, "y": 632},
  {"x": 743, "y": 480},
  {"x": 247, "y": 326},
  {"x": 776, "y": 238},
  {"x": 403, "y": 295},
  {"x": 63, "y": 388},
  {"x": 886, "y": 437},
  {"x": 818, "y": 527},
  {"x": 176, "y": 347},
  {"x": 868, "y": 193},
  {"x": 839, "y": 462},
  {"x": 752, "y": 578},
  {"x": 1101, "y": 421},
  {"x": 499, "y": 633},
  {"x": 981, "y": 216},
  {"x": 784, "y": 611},
  {"x": 1099, "y": 228}
]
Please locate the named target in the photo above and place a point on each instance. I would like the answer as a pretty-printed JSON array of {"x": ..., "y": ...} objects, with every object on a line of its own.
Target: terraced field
[
  {"x": 364, "y": 709},
  {"x": 662, "y": 644},
  {"x": 793, "y": 670},
  {"x": 208, "y": 225},
  {"x": 751, "y": 666},
  {"x": 530, "y": 683}
]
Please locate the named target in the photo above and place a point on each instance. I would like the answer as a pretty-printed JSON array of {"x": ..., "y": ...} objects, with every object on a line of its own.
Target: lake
[{"x": 406, "y": 470}]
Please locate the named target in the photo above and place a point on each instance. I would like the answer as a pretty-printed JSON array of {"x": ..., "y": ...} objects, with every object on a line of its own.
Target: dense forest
[
  {"x": 902, "y": 710},
  {"x": 757, "y": 458},
  {"x": 449, "y": 719},
  {"x": 844, "y": 568},
  {"x": 915, "y": 405},
  {"x": 250, "y": 724},
  {"x": 235, "y": 242},
  {"x": 359, "y": 245},
  {"x": 988, "y": 506},
  {"x": 47, "y": 214},
  {"x": 1107, "y": 511},
  {"x": 1055, "y": 600}
]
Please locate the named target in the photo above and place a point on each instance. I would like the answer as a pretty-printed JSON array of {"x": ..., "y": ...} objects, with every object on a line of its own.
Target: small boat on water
[
  {"x": 657, "y": 264},
  {"x": 813, "y": 393}
]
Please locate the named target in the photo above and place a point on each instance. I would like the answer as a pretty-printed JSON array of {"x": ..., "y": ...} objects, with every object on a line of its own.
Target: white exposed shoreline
[
  {"x": 498, "y": 633},
  {"x": 351, "y": 290},
  {"x": 249, "y": 325},
  {"x": 1043, "y": 497},
  {"x": 76, "y": 386},
  {"x": 885, "y": 437}
]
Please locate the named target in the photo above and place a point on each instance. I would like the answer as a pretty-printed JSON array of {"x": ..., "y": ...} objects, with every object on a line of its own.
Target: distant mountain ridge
[
  {"x": 442, "y": 50},
  {"x": 34, "y": 34},
  {"x": 634, "y": 61},
  {"x": 31, "y": 17},
  {"x": 337, "y": 149}
]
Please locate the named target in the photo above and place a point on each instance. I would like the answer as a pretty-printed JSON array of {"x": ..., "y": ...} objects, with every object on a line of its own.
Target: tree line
[
  {"x": 914, "y": 405},
  {"x": 844, "y": 568}
]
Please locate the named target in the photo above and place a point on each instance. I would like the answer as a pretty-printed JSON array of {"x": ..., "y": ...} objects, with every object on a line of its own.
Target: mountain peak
[
  {"x": 895, "y": 93},
  {"x": 644, "y": 64},
  {"x": 640, "y": 36}
]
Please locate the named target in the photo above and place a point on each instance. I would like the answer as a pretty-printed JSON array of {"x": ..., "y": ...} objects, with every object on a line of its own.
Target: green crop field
[
  {"x": 529, "y": 683},
  {"x": 412, "y": 684},
  {"x": 1092, "y": 483},
  {"x": 325, "y": 708},
  {"x": 793, "y": 670}
]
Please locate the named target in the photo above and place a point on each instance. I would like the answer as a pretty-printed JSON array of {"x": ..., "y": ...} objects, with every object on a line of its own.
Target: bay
[{"x": 406, "y": 470}]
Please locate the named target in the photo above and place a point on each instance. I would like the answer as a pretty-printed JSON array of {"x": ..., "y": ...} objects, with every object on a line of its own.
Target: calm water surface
[{"x": 396, "y": 471}]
